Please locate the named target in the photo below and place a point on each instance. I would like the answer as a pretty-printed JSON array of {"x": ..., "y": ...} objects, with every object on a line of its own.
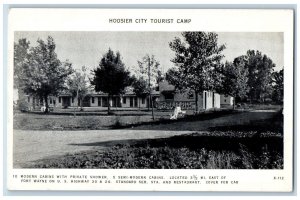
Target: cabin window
[
  {"x": 93, "y": 99},
  {"x": 28, "y": 99},
  {"x": 124, "y": 100},
  {"x": 143, "y": 100},
  {"x": 50, "y": 100},
  {"x": 169, "y": 96},
  {"x": 59, "y": 99},
  {"x": 72, "y": 99}
]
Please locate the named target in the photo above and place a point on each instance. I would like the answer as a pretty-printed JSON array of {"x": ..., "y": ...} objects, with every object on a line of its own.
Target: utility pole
[{"x": 150, "y": 87}]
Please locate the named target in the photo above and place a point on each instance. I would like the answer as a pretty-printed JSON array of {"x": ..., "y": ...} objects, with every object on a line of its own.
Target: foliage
[
  {"x": 277, "y": 80},
  {"x": 21, "y": 56},
  {"x": 260, "y": 68},
  {"x": 149, "y": 70},
  {"x": 110, "y": 76},
  {"x": 235, "y": 79},
  {"x": 149, "y": 67},
  {"x": 78, "y": 85},
  {"x": 23, "y": 105},
  {"x": 140, "y": 87},
  {"x": 42, "y": 73},
  {"x": 197, "y": 61}
]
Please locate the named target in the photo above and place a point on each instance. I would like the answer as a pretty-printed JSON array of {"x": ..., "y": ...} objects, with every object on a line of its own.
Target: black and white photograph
[{"x": 150, "y": 100}]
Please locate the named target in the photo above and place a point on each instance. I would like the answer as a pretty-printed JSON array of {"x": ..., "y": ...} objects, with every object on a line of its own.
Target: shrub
[{"x": 23, "y": 105}]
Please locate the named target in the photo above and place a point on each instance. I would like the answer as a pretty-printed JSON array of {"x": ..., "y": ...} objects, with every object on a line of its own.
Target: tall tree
[
  {"x": 21, "y": 56},
  {"x": 148, "y": 66},
  {"x": 149, "y": 70},
  {"x": 197, "y": 62},
  {"x": 277, "y": 80},
  {"x": 111, "y": 76},
  {"x": 44, "y": 74},
  {"x": 235, "y": 79},
  {"x": 78, "y": 85},
  {"x": 260, "y": 68}
]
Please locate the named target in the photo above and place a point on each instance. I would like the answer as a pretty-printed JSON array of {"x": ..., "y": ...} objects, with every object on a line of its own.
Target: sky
[{"x": 87, "y": 48}]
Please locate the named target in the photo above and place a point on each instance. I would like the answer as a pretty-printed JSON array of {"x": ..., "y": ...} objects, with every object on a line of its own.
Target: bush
[{"x": 23, "y": 105}]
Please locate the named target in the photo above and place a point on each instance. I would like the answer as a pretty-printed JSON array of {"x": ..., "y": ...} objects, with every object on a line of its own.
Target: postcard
[{"x": 150, "y": 99}]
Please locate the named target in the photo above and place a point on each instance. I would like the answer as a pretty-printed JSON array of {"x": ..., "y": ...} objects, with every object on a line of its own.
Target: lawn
[
  {"x": 39, "y": 121},
  {"x": 142, "y": 120}
]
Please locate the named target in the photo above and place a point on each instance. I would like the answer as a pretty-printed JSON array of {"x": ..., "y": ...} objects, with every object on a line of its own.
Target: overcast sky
[{"x": 87, "y": 48}]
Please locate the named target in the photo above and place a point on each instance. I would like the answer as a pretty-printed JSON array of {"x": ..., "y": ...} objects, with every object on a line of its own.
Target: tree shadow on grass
[
  {"x": 159, "y": 122},
  {"x": 256, "y": 135},
  {"x": 198, "y": 141}
]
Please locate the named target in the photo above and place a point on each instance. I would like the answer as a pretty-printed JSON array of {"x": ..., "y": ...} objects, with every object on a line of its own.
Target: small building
[
  {"x": 226, "y": 100},
  {"x": 170, "y": 98}
]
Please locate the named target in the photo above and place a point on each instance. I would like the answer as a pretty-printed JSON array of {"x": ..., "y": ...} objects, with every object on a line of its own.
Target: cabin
[
  {"x": 170, "y": 98},
  {"x": 166, "y": 97},
  {"x": 226, "y": 100},
  {"x": 92, "y": 99}
]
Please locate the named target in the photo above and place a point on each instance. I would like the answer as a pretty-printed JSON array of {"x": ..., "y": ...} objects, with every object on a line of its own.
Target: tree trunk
[
  {"x": 81, "y": 104},
  {"x": 46, "y": 104},
  {"x": 108, "y": 106},
  {"x": 196, "y": 101},
  {"x": 152, "y": 106},
  {"x": 76, "y": 103},
  {"x": 149, "y": 102}
]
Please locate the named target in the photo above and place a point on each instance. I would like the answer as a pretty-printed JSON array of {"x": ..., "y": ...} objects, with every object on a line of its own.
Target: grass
[
  {"x": 33, "y": 121},
  {"x": 209, "y": 150}
]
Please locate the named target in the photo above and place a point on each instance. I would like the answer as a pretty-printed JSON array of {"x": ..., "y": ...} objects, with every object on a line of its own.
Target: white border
[{"x": 204, "y": 20}]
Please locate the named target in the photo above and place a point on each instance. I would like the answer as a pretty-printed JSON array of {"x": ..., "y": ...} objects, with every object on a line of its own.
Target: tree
[
  {"x": 21, "y": 56},
  {"x": 235, "y": 79},
  {"x": 43, "y": 73},
  {"x": 197, "y": 62},
  {"x": 260, "y": 69},
  {"x": 78, "y": 85},
  {"x": 149, "y": 70},
  {"x": 140, "y": 87},
  {"x": 110, "y": 76},
  {"x": 277, "y": 80}
]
